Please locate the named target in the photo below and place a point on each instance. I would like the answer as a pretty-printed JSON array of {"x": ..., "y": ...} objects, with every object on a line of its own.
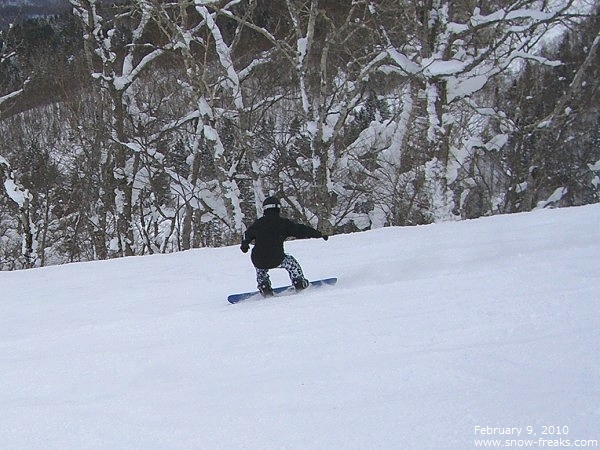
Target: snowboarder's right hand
[
  {"x": 244, "y": 247},
  {"x": 325, "y": 237}
]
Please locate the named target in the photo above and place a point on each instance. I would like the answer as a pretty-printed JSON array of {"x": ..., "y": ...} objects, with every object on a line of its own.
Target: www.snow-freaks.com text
[{"x": 529, "y": 436}]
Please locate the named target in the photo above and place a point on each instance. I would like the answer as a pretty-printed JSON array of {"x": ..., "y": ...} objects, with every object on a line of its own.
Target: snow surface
[{"x": 430, "y": 332}]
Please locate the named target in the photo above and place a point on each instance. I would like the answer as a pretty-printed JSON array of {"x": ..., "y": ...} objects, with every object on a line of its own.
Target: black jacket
[{"x": 268, "y": 233}]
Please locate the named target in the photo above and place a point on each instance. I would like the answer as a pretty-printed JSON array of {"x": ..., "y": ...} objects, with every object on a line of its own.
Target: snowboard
[{"x": 279, "y": 291}]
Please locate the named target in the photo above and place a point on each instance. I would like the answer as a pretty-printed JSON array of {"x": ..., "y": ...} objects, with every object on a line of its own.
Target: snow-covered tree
[
  {"x": 554, "y": 154},
  {"x": 217, "y": 125},
  {"x": 122, "y": 47},
  {"x": 324, "y": 66},
  {"x": 449, "y": 52},
  {"x": 21, "y": 196}
]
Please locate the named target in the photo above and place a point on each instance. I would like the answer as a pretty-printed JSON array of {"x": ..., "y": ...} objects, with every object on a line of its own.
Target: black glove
[
  {"x": 325, "y": 237},
  {"x": 244, "y": 247}
]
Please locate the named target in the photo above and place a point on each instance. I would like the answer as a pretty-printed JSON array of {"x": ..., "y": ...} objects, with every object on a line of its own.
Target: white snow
[
  {"x": 15, "y": 192},
  {"x": 556, "y": 196},
  {"x": 432, "y": 334},
  {"x": 502, "y": 14},
  {"x": 403, "y": 62},
  {"x": 10, "y": 95},
  {"x": 459, "y": 87}
]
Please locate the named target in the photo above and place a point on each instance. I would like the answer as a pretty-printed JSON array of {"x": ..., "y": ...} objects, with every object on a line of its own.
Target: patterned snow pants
[{"x": 289, "y": 263}]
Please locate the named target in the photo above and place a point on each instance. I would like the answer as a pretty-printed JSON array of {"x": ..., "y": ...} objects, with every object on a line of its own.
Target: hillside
[
  {"x": 12, "y": 11},
  {"x": 432, "y": 335}
]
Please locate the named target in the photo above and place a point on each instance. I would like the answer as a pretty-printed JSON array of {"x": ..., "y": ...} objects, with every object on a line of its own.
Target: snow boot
[
  {"x": 265, "y": 289},
  {"x": 300, "y": 283}
]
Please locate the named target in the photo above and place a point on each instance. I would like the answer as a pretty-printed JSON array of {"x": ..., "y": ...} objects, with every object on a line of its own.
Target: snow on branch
[
  {"x": 16, "y": 194},
  {"x": 503, "y": 15},
  {"x": 5, "y": 55},
  {"x": 224, "y": 52},
  {"x": 453, "y": 56},
  {"x": 10, "y": 95}
]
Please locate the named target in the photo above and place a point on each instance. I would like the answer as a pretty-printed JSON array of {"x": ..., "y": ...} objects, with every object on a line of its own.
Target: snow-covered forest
[{"x": 148, "y": 126}]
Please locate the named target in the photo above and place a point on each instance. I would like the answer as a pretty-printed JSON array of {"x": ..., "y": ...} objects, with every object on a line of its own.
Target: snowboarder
[{"x": 268, "y": 233}]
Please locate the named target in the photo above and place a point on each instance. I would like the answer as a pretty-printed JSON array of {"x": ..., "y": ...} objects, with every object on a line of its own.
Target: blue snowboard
[{"x": 284, "y": 290}]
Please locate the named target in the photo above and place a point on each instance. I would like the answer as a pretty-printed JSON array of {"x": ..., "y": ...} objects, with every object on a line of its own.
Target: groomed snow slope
[{"x": 431, "y": 332}]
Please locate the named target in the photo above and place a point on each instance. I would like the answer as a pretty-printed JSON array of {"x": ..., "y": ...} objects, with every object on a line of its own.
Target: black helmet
[{"x": 271, "y": 203}]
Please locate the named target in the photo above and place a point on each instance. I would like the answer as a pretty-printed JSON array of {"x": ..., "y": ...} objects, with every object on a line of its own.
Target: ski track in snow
[{"x": 430, "y": 332}]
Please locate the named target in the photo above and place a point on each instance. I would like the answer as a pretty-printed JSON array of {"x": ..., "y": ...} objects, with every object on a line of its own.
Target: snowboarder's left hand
[{"x": 244, "y": 247}]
